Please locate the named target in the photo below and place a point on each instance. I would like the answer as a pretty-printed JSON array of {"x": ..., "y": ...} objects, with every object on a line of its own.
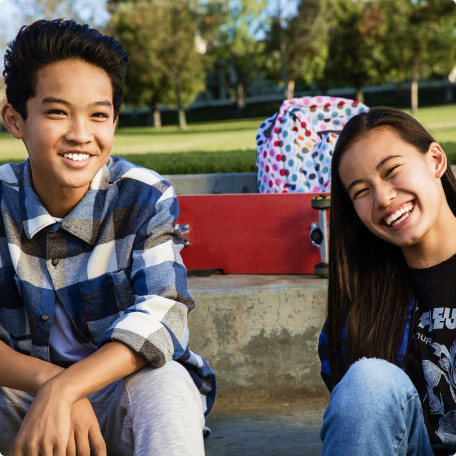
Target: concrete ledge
[
  {"x": 200, "y": 184},
  {"x": 260, "y": 334}
]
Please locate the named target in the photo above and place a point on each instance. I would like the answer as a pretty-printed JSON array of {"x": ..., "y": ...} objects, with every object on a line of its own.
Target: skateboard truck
[
  {"x": 184, "y": 231},
  {"x": 319, "y": 233}
]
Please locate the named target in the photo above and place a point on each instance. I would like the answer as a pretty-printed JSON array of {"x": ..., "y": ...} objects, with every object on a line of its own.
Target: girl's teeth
[{"x": 399, "y": 215}]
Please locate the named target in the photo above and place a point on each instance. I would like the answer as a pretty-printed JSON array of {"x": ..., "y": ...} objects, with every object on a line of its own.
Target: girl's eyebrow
[
  {"x": 356, "y": 182},
  {"x": 390, "y": 157},
  {"x": 385, "y": 160}
]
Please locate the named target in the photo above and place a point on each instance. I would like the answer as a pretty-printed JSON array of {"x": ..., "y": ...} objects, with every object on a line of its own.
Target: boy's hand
[
  {"x": 54, "y": 426},
  {"x": 85, "y": 431}
]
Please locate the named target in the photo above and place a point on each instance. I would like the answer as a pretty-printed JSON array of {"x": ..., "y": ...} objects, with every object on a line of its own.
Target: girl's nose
[{"x": 384, "y": 195}]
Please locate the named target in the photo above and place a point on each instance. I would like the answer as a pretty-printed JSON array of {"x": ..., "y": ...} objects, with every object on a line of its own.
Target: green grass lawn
[{"x": 222, "y": 146}]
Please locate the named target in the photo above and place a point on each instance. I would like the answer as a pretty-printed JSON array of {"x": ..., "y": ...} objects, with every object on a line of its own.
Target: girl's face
[{"x": 395, "y": 189}]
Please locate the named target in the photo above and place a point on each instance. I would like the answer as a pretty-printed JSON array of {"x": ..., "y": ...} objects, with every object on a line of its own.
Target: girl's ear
[
  {"x": 438, "y": 159},
  {"x": 13, "y": 121}
]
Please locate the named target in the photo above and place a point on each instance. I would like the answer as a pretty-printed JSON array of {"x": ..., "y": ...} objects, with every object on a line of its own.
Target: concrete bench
[{"x": 260, "y": 334}]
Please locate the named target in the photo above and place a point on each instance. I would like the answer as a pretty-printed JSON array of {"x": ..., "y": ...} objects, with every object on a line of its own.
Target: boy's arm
[
  {"x": 48, "y": 422},
  {"x": 155, "y": 324},
  {"x": 24, "y": 372},
  {"x": 153, "y": 330}
]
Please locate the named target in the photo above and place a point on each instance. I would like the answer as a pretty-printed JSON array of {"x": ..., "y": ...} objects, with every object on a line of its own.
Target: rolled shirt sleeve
[{"x": 155, "y": 325}]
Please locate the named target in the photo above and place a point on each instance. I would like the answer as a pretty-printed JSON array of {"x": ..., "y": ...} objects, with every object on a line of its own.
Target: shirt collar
[{"x": 83, "y": 221}]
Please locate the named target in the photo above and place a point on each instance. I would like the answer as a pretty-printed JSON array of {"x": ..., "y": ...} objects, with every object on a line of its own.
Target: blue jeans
[{"x": 374, "y": 410}]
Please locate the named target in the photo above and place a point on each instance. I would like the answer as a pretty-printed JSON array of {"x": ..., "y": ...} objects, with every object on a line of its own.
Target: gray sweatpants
[{"x": 152, "y": 412}]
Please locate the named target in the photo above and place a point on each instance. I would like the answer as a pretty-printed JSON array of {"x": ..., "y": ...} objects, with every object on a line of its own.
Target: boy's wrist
[
  {"x": 47, "y": 374},
  {"x": 60, "y": 386}
]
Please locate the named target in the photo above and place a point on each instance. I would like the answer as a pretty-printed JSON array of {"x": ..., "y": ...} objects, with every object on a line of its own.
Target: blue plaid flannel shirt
[{"x": 113, "y": 262}]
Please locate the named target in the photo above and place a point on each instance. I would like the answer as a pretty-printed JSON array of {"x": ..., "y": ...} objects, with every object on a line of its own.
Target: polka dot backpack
[{"x": 295, "y": 145}]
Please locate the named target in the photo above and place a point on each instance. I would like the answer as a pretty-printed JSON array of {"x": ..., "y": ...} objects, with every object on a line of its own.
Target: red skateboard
[{"x": 255, "y": 233}]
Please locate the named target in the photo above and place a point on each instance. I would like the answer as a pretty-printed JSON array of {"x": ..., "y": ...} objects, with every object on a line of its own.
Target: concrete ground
[{"x": 285, "y": 429}]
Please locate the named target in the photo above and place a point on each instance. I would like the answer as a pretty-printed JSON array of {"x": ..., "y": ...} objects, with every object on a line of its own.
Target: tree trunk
[
  {"x": 359, "y": 94},
  {"x": 157, "y": 118},
  {"x": 156, "y": 114},
  {"x": 414, "y": 86},
  {"x": 449, "y": 93},
  {"x": 240, "y": 96},
  {"x": 182, "y": 121},
  {"x": 290, "y": 88}
]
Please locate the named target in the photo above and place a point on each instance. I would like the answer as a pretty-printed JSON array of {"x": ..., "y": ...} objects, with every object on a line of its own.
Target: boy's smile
[{"x": 68, "y": 132}]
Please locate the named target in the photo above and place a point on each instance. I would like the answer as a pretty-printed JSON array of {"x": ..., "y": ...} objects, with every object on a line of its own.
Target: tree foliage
[
  {"x": 356, "y": 47},
  {"x": 164, "y": 63},
  {"x": 421, "y": 40},
  {"x": 297, "y": 47},
  {"x": 235, "y": 48}
]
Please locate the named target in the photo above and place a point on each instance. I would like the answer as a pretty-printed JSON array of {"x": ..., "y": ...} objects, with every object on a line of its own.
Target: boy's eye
[
  {"x": 57, "y": 112},
  {"x": 101, "y": 115}
]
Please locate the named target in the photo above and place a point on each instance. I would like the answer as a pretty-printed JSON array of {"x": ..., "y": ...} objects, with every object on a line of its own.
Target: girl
[{"x": 388, "y": 347}]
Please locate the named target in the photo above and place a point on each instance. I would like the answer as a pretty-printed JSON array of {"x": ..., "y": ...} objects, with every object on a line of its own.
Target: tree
[
  {"x": 236, "y": 48},
  {"x": 297, "y": 48},
  {"x": 426, "y": 33},
  {"x": 164, "y": 63},
  {"x": 357, "y": 37}
]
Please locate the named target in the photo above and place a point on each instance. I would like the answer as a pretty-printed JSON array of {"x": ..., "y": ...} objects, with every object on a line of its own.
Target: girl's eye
[
  {"x": 390, "y": 170},
  {"x": 359, "y": 193}
]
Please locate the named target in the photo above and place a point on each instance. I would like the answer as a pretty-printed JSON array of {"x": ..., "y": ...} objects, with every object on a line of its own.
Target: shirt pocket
[{"x": 104, "y": 300}]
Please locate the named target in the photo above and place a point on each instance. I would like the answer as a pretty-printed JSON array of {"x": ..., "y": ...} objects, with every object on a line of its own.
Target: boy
[{"x": 93, "y": 296}]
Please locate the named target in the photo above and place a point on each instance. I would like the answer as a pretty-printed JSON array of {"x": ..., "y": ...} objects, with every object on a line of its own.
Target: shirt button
[
  {"x": 45, "y": 316},
  {"x": 55, "y": 262}
]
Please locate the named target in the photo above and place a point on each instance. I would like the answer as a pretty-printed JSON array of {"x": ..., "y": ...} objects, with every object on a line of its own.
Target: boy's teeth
[
  {"x": 76, "y": 157},
  {"x": 398, "y": 216}
]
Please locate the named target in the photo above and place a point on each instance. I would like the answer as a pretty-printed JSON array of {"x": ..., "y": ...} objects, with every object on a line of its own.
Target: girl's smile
[
  {"x": 400, "y": 216},
  {"x": 397, "y": 193}
]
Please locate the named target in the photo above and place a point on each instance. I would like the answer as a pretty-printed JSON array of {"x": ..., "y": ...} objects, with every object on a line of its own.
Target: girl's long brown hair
[{"x": 367, "y": 288}]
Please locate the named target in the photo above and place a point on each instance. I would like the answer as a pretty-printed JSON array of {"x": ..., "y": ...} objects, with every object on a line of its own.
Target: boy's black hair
[{"x": 48, "y": 41}]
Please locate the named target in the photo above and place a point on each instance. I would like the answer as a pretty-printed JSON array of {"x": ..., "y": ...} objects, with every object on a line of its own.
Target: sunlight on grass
[{"x": 219, "y": 146}]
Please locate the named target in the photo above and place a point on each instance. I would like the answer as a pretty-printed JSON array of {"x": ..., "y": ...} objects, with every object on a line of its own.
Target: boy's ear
[
  {"x": 13, "y": 121},
  {"x": 438, "y": 159}
]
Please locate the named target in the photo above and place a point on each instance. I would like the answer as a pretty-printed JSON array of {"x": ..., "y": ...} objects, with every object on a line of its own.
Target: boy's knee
[
  {"x": 167, "y": 391},
  {"x": 168, "y": 384}
]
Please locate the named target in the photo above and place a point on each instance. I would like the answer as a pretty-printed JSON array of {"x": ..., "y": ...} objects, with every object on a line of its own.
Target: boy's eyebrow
[
  {"x": 49, "y": 100},
  {"x": 385, "y": 160}
]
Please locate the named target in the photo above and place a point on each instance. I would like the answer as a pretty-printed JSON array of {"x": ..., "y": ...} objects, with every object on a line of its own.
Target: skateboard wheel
[
  {"x": 322, "y": 269},
  {"x": 316, "y": 236},
  {"x": 321, "y": 202}
]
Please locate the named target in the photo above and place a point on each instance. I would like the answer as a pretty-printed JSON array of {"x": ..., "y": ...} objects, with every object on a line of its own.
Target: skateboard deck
[{"x": 249, "y": 233}]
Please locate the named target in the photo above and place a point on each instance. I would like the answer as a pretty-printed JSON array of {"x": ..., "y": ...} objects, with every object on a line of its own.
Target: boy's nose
[{"x": 78, "y": 132}]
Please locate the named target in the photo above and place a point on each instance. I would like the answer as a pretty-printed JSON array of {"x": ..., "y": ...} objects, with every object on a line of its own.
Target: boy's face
[{"x": 69, "y": 129}]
